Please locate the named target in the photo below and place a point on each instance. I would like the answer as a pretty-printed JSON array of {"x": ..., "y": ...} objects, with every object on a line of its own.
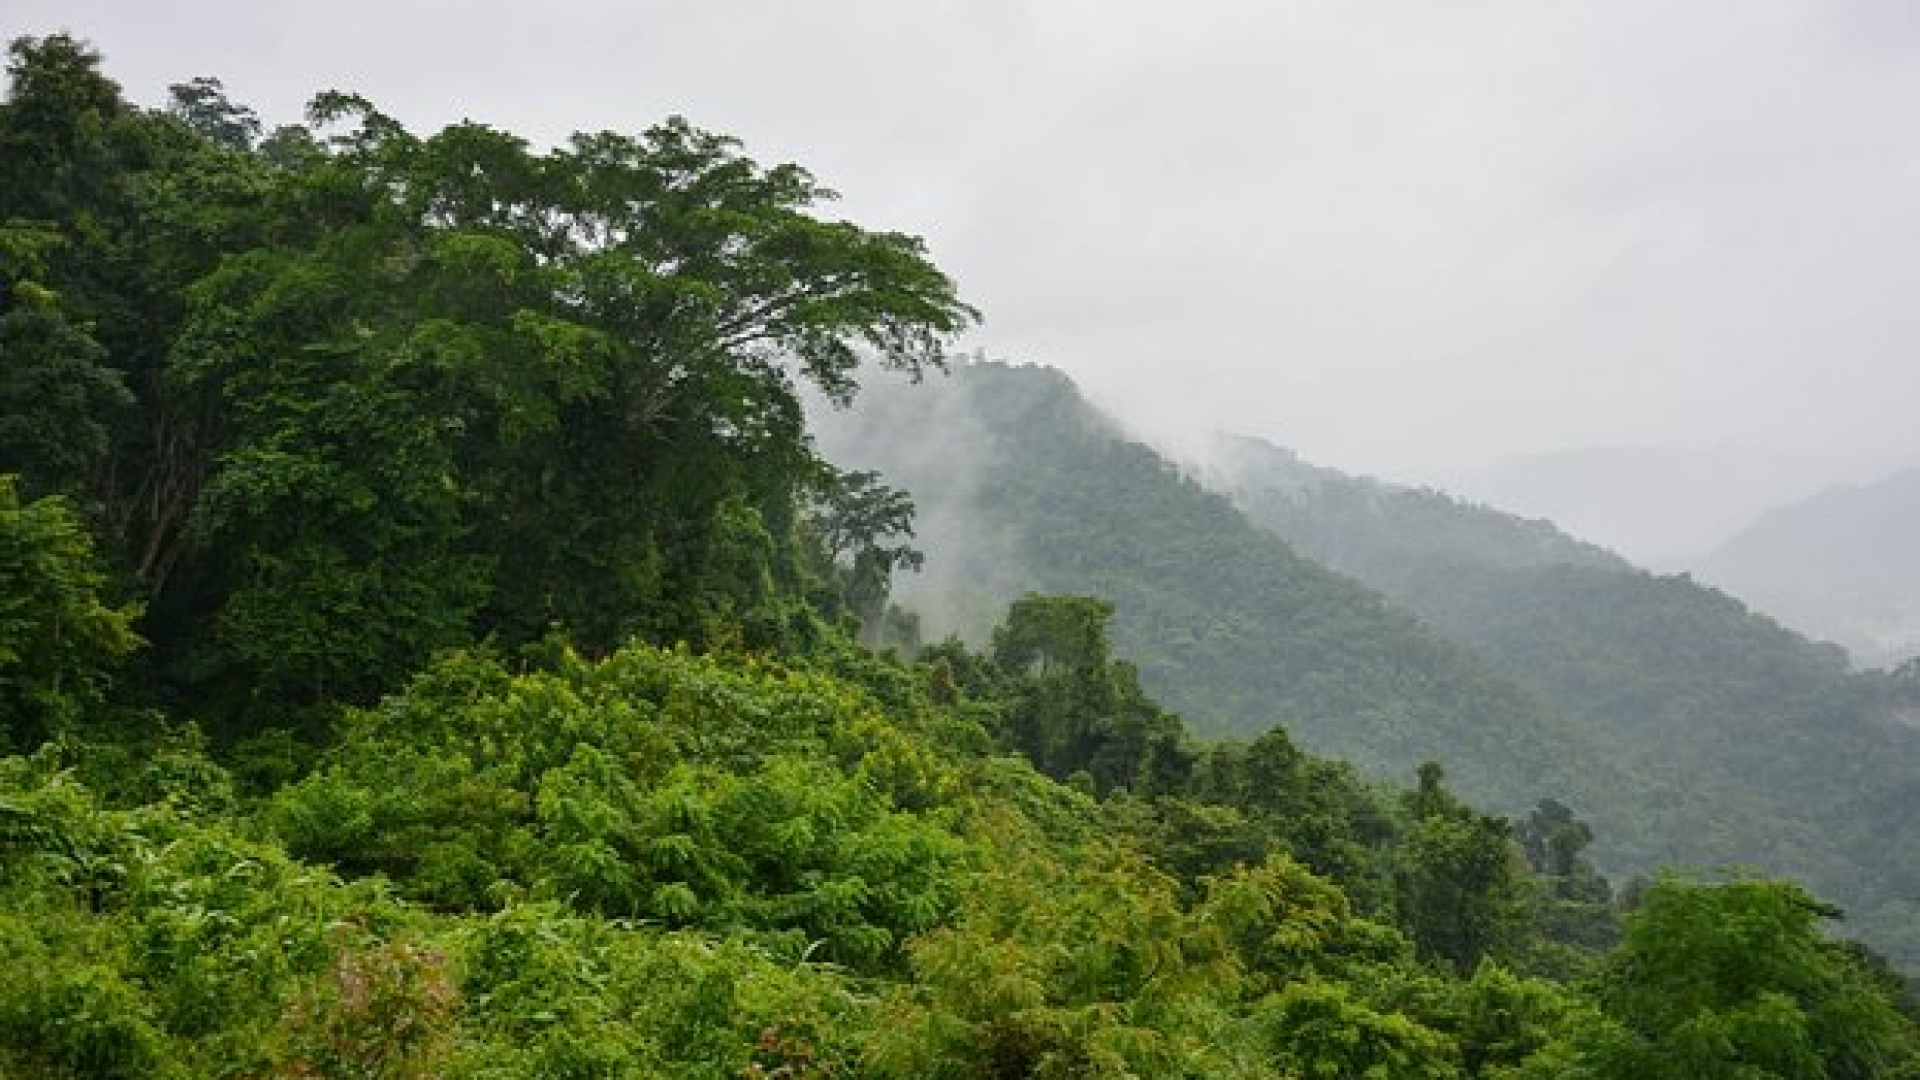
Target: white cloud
[{"x": 1388, "y": 233}]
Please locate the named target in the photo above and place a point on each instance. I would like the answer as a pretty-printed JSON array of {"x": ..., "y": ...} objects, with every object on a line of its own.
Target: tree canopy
[
  {"x": 368, "y": 394},
  {"x": 430, "y": 646}
]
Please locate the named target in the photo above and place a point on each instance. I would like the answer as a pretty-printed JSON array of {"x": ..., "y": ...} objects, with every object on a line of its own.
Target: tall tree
[
  {"x": 56, "y": 146},
  {"x": 1736, "y": 980},
  {"x": 861, "y": 526},
  {"x": 392, "y": 391},
  {"x": 592, "y": 353},
  {"x": 1075, "y": 709},
  {"x": 1457, "y": 874}
]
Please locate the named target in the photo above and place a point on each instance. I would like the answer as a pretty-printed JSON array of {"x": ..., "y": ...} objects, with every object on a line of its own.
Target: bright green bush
[
  {"x": 744, "y": 797},
  {"x": 551, "y": 994}
]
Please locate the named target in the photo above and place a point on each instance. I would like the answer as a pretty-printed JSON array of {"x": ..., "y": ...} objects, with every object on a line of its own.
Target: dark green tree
[
  {"x": 1329, "y": 819},
  {"x": 1575, "y": 902},
  {"x": 1736, "y": 979},
  {"x": 59, "y": 640},
  {"x": 202, "y": 103},
  {"x": 1457, "y": 875},
  {"x": 862, "y": 526},
  {"x": 57, "y": 153},
  {"x": 572, "y": 374},
  {"x": 1073, "y": 709},
  {"x": 391, "y": 392},
  {"x": 57, "y": 395},
  {"x": 1553, "y": 839}
]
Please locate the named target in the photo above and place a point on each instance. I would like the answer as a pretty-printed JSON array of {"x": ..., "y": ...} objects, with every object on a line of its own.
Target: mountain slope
[
  {"x": 1842, "y": 565},
  {"x": 1795, "y": 756},
  {"x": 1022, "y": 487},
  {"x": 1374, "y": 530},
  {"x": 1658, "y": 505}
]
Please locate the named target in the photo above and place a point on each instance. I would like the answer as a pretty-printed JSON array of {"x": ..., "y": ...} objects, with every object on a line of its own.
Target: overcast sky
[{"x": 1396, "y": 235}]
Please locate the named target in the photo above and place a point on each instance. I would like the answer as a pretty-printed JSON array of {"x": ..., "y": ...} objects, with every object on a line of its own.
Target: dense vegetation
[
  {"x": 429, "y": 646},
  {"x": 1232, "y": 628},
  {"x": 1689, "y": 731},
  {"x": 1790, "y": 760},
  {"x": 344, "y": 396}
]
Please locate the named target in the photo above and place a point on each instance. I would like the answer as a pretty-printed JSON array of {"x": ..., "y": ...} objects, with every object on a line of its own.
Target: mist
[
  {"x": 973, "y": 568},
  {"x": 1454, "y": 474},
  {"x": 1408, "y": 241}
]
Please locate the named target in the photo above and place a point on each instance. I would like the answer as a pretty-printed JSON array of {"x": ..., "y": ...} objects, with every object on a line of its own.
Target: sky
[{"x": 1401, "y": 237}]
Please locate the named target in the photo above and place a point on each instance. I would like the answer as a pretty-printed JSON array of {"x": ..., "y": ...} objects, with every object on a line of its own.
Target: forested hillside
[
  {"x": 1229, "y": 626},
  {"x": 431, "y": 646},
  {"x": 1798, "y": 760},
  {"x": 1401, "y": 540},
  {"x": 1690, "y": 731}
]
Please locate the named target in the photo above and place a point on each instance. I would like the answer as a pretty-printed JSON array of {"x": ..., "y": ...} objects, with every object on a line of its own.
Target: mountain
[
  {"x": 1393, "y": 536},
  {"x": 1842, "y": 565},
  {"x": 1021, "y": 486},
  {"x": 516, "y": 597},
  {"x": 1387, "y": 626},
  {"x": 1803, "y": 762},
  {"x": 1658, "y": 505}
]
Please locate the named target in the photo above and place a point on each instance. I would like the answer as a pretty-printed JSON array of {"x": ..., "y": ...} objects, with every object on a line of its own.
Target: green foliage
[
  {"x": 1284, "y": 924},
  {"x": 550, "y": 994},
  {"x": 1749, "y": 745},
  {"x": 72, "y": 1020},
  {"x": 340, "y": 399},
  {"x": 1317, "y": 809},
  {"x": 1686, "y": 729},
  {"x": 56, "y": 129},
  {"x": 1574, "y": 902},
  {"x": 383, "y": 1009},
  {"x": 1457, "y": 881},
  {"x": 1228, "y": 625},
  {"x": 857, "y": 520},
  {"x": 1317, "y": 1030},
  {"x": 1072, "y": 708},
  {"x": 686, "y": 791},
  {"x": 59, "y": 640},
  {"x": 144, "y": 943},
  {"x": 202, "y": 103},
  {"x": 57, "y": 398},
  {"x": 696, "y": 837},
  {"x": 1508, "y": 1025},
  {"x": 141, "y": 944},
  {"x": 1736, "y": 979},
  {"x": 1053, "y": 968},
  {"x": 344, "y": 398}
]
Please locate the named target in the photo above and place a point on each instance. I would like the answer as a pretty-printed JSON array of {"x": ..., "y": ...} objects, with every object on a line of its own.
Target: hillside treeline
[
  {"x": 1385, "y": 627},
  {"x": 431, "y": 646}
]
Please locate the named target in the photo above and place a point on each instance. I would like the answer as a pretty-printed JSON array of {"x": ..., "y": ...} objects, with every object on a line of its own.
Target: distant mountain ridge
[
  {"x": 1843, "y": 564},
  {"x": 1374, "y": 529},
  {"x": 1796, "y": 753},
  {"x": 1688, "y": 729},
  {"x": 1659, "y": 506}
]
